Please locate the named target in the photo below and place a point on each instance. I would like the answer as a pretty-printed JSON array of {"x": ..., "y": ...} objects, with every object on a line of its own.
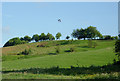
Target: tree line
[
  {"x": 87, "y": 33},
  {"x": 91, "y": 33},
  {"x": 27, "y": 39}
]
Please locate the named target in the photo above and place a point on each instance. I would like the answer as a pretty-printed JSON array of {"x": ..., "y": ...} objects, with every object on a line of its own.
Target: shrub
[
  {"x": 57, "y": 44},
  {"x": 117, "y": 49},
  {"x": 57, "y": 50},
  {"x": 116, "y": 37},
  {"x": 72, "y": 49},
  {"x": 25, "y": 52},
  {"x": 42, "y": 45},
  {"x": 107, "y": 37},
  {"x": 94, "y": 44},
  {"x": 90, "y": 43}
]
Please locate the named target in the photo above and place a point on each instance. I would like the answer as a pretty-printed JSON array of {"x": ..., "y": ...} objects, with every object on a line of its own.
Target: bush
[
  {"x": 42, "y": 45},
  {"x": 107, "y": 37},
  {"x": 90, "y": 43},
  {"x": 94, "y": 44},
  {"x": 117, "y": 49},
  {"x": 72, "y": 49},
  {"x": 57, "y": 44},
  {"x": 57, "y": 50},
  {"x": 25, "y": 52},
  {"x": 116, "y": 37}
]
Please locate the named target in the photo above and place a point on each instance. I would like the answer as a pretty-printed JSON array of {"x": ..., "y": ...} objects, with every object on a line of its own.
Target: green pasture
[{"x": 45, "y": 58}]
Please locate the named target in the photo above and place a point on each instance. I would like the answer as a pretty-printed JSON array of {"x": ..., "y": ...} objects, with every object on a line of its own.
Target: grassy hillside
[{"x": 43, "y": 62}]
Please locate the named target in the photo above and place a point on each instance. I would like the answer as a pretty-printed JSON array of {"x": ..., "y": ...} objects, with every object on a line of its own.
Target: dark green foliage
[
  {"x": 107, "y": 37},
  {"x": 119, "y": 35},
  {"x": 77, "y": 33},
  {"x": 21, "y": 38},
  {"x": 117, "y": 49},
  {"x": 50, "y": 37},
  {"x": 90, "y": 32},
  {"x": 67, "y": 37},
  {"x": 58, "y": 35},
  {"x": 25, "y": 52},
  {"x": 27, "y": 38},
  {"x": 42, "y": 37},
  {"x": 53, "y": 38},
  {"x": 116, "y": 37},
  {"x": 14, "y": 41},
  {"x": 36, "y": 37},
  {"x": 112, "y": 38},
  {"x": 91, "y": 70},
  {"x": 72, "y": 49}
]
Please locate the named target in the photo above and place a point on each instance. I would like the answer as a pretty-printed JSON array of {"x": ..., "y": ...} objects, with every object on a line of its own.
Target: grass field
[{"x": 43, "y": 62}]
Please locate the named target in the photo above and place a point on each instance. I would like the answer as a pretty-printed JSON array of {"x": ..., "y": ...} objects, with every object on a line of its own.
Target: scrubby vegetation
[
  {"x": 117, "y": 49},
  {"x": 14, "y": 41},
  {"x": 25, "y": 52}
]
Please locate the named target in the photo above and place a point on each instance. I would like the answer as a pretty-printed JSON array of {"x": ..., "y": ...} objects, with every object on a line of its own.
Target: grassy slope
[{"x": 83, "y": 56}]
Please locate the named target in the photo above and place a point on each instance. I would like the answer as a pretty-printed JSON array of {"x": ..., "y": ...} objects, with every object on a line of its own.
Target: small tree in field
[
  {"x": 57, "y": 50},
  {"x": 94, "y": 44},
  {"x": 90, "y": 43},
  {"x": 72, "y": 49}
]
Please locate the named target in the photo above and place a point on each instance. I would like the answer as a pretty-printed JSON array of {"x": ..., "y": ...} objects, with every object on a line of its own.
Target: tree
[
  {"x": 92, "y": 32},
  {"x": 98, "y": 34},
  {"x": 117, "y": 49},
  {"x": 82, "y": 33},
  {"x": 58, "y": 35},
  {"x": 35, "y": 37},
  {"x": 67, "y": 37},
  {"x": 27, "y": 38},
  {"x": 116, "y": 37},
  {"x": 112, "y": 38},
  {"x": 53, "y": 38},
  {"x": 21, "y": 38},
  {"x": 75, "y": 33},
  {"x": 13, "y": 41},
  {"x": 107, "y": 37},
  {"x": 49, "y": 36},
  {"x": 42, "y": 36}
]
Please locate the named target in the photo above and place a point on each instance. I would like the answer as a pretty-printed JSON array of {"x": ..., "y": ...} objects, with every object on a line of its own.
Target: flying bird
[{"x": 59, "y": 20}]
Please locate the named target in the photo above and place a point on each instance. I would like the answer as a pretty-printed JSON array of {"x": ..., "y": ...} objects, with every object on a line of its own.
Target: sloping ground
[
  {"x": 13, "y": 50},
  {"x": 62, "y": 65},
  {"x": 96, "y": 57}
]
